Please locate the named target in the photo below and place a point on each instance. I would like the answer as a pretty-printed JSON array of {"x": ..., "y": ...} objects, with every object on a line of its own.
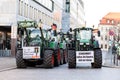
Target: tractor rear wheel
[
  {"x": 57, "y": 58},
  {"x": 71, "y": 59},
  {"x": 48, "y": 59},
  {"x": 61, "y": 57},
  {"x": 65, "y": 56},
  {"x": 20, "y": 62},
  {"x": 97, "y": 59}
]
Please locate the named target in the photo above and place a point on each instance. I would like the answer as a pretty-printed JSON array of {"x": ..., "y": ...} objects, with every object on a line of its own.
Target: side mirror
[
  {"x": 20, "y": 31},
  {"x": 70, "y": 29},
  {"x": 98, "y": 33}
]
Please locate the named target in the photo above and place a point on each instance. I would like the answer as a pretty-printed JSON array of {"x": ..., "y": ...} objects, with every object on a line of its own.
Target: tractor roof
[{"x": 84, "y": 28}]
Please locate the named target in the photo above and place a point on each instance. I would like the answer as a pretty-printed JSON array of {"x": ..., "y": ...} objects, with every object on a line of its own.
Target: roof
[{"x": 113, "y": 15}]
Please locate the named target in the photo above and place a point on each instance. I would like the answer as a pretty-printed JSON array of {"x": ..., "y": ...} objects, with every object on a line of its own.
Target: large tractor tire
[
  {"x": 71, "y": 59},
  {"x": 48, "y": 59},
  {"x": 57, "y": 58},
  {"x": 20, "y": 62},
  {"x": 65, "y": 59},
  {"x": 97, "y": 59},
  {"x": 61, "y": 57}
]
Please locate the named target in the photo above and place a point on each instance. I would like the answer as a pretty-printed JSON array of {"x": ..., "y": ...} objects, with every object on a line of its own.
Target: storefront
[{"x": 5, "y": 37}]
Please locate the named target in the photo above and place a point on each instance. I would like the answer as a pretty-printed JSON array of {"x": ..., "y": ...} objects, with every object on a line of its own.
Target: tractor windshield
[
  {"x": 35, "y": 33},
  {"x": 85, "y": 34},
  {"x": 34, "y": 36}
]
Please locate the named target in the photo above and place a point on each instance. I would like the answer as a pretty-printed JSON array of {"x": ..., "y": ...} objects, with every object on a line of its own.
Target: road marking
[{"x": 8, "y": 69}]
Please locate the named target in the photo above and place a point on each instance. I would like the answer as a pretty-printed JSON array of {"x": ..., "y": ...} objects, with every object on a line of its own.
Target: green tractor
[
  {"x": 54, "y": 44},
  {"x": 58, "y": 44},
  {"x": 34, "y": 47},
  {"x": 84, "y": 48}
]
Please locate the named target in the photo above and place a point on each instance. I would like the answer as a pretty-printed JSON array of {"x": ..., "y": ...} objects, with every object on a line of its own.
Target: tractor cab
[{"x": 83, "y": 39}]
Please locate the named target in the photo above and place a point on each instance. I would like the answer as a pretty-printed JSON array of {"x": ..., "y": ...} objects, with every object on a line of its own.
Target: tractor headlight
[
  {"x": 81, "y": 43},
  {"x": 87, "y": 43}
]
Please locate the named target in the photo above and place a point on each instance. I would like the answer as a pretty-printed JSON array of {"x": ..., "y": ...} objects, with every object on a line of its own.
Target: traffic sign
[{"x": 111, "y": 32}]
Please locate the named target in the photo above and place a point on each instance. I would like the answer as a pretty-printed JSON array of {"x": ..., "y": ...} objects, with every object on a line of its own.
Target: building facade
[
  {"x": 57, "y": 13},
  {"x": 109, "y": 27},
  {"x": 11, "y": 11},
  {"x": 73, "y": 14}
]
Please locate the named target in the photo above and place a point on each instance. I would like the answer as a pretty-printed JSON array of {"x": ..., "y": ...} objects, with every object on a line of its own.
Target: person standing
[
  {"x": 114, "y": 52},
  {"x": 118, "y": 52}
]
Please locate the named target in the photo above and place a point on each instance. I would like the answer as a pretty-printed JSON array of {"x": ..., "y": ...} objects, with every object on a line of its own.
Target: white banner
[
  {"x": 31, "y": 52},
  {"x": 84, "y": 56}
]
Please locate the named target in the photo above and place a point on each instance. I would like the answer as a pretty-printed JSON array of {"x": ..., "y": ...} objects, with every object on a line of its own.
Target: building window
[
  {"x": 105, "y": 37},
  {"x": 105, "y": 46},
  {"x": 43, "y": 17},
  {"x": 67, "y": 6},
  {"x": 32, "y": 15},
  {"x": 31, "y": 12},
  {"x": 112, "y": 21},
  {"x": 25, "y": 10},
  {"x": 67, "y": 0},
  {"x": 106, "y": 29},
  {"x": 35, "y": 13},
  {"x": 101, "y": 37},
  {"x": 108, "y": 21},
  {"x": 20, "y": 8},
  {"x": 40, "y": 15},
  {"x": 47, "y": 20},
  {"x": 101, "y": 45},
  {"x": 37, "y": 17},
  {"x": 101, "y": 29},
  {"x": 48, "y": 4}
]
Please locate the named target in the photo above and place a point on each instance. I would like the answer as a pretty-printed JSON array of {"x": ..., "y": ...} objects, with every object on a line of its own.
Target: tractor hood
[{"x": 84, "y": 41}]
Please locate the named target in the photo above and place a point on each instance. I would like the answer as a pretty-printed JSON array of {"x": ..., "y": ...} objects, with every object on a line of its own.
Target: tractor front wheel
[
  {"x": 71, "y": 59},
  {"x": 48, "y": 59},
  {"x": 97, "y": 59},
  {"x": 20, "y": 62}
]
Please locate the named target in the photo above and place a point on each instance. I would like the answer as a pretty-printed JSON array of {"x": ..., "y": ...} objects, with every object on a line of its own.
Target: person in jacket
[
  {"x": 114, "y": 49},
  {"x": 118, "y": 52}
]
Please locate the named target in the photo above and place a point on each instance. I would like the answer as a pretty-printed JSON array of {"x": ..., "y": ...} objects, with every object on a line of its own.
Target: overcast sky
[{"x": 96, "y": 9}]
